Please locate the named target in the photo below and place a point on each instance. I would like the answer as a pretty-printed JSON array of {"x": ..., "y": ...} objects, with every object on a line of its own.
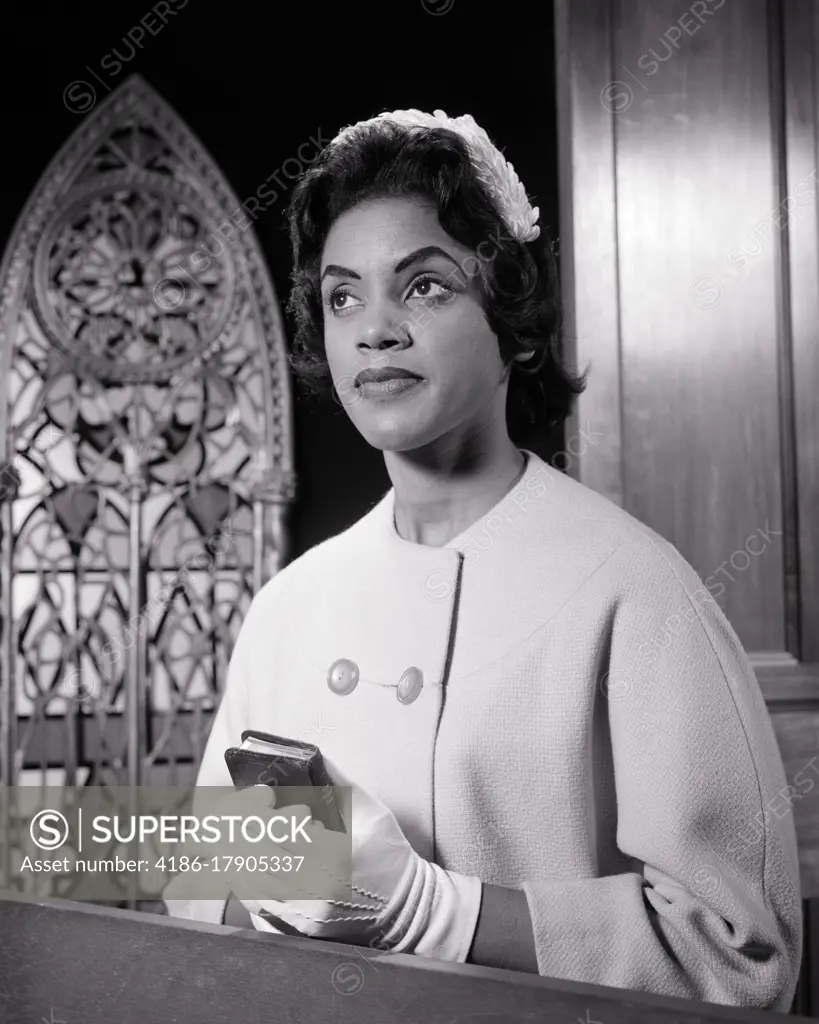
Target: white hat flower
[{"x": 493, "y": 170}]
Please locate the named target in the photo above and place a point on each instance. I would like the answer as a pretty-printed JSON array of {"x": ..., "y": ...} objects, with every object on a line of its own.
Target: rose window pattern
[{"x": 115, "y": 285}]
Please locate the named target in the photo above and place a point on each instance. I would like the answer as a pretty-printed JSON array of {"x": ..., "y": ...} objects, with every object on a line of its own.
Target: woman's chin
[
  {"x": 394, "y": 426},
  {"x": 395, "y": 437},
  {"x": 397, "y": 433}
]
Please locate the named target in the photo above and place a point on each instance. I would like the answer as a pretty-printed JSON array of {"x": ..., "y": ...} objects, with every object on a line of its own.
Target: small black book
[{"x": 276, "y": 761}]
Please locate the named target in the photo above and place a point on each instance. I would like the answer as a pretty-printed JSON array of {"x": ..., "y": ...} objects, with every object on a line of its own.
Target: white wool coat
[{"x": 589, "y": 730}]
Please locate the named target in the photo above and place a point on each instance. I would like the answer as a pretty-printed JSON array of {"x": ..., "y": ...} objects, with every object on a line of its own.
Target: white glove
[
  {"x": 401, "y": 902},
  {"x": 202, "y": 895}
]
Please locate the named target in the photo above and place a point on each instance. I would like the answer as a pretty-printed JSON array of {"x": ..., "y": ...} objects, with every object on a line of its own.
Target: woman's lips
[{"x": 392, "y": 388}]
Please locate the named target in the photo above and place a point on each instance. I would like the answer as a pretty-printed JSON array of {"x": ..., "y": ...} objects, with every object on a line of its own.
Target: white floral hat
[{"x": 495, "y": 173}]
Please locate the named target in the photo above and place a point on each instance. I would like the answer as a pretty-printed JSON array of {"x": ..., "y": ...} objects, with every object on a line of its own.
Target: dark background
[{"x": 253, "y": 82}]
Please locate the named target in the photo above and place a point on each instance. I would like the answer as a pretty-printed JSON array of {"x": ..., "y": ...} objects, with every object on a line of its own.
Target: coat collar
[
  {"x": 383, "y": 517},
  {"x": 388, "y": 603}
]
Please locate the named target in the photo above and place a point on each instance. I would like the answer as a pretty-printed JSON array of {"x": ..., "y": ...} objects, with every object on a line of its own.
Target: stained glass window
[{"x": 145, "y": 411}]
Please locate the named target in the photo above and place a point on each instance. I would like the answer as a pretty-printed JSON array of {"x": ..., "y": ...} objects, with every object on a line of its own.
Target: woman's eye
[
  {"x": 429, "y": 288},
  {"x": 339, "y": 300}
]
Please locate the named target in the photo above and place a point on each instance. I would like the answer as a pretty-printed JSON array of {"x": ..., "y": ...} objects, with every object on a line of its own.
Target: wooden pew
[
  {"x": 793, "y": 702},
  {"x": 75, "y": 963}
]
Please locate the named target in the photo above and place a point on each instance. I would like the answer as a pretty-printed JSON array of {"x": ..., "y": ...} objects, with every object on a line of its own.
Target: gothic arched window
[{"x": 145, "y": 413}]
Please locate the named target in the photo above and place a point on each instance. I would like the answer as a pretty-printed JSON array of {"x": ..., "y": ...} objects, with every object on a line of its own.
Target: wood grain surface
[{"x": 81, "y": 964}]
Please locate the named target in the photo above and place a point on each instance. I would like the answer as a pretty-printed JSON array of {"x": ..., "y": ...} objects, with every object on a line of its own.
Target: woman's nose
[{"x": 380, "y": 333}]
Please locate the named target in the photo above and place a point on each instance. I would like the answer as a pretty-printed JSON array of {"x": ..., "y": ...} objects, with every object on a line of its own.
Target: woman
[{"x": 558, "y": 746}]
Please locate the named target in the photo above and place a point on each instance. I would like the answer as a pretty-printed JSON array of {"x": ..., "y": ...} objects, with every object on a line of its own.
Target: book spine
[{"x": 331, "y": 815}]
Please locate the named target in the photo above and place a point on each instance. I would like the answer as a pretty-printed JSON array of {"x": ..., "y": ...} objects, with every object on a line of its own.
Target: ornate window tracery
[{"x": 147, "y": 465}]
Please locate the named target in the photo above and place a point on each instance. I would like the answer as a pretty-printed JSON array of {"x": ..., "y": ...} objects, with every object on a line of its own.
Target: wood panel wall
[{"x": 689, "y": 243}]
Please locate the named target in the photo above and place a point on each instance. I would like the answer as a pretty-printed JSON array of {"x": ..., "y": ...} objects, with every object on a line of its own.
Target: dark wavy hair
[{"x": 519, "y": 283}]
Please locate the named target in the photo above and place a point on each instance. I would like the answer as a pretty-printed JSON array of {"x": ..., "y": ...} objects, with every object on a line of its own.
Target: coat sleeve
[
  {"x": 231, "y": 718},
  {"x": 710, "y": 906}
]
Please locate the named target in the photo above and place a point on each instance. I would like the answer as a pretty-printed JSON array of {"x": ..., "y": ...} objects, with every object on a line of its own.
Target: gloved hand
[
  {"x": 199, "y": 893},
  {"x": 401, "y": 902}
]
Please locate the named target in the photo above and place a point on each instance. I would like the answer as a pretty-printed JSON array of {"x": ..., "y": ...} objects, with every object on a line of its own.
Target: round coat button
[
  {"x": 409, "y": 685},
  {"x": 342, "y": 677}
]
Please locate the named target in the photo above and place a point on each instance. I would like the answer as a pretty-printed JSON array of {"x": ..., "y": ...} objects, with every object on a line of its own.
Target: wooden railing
[{"x": 72, "y": 963}]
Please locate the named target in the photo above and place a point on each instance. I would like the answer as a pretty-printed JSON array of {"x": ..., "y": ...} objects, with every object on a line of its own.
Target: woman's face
[{"x": 399, "y": 294}]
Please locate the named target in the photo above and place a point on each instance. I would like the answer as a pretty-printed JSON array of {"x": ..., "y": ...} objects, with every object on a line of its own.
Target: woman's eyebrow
[
  {"x": 334, "y": 270},
  {"x": 420, "y": 255}
]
